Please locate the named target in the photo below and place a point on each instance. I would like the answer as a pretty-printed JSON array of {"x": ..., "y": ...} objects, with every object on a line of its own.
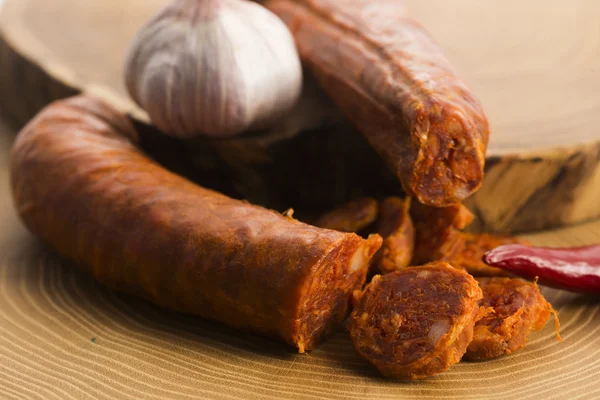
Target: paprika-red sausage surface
[
  {"x": 390, "y": 78},
  {"x": 81, "y": 184},
  {"x": 416, "y": 322}
]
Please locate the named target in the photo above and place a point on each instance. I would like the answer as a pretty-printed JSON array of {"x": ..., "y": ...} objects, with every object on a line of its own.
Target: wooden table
[{"x": 64, "y": 336}]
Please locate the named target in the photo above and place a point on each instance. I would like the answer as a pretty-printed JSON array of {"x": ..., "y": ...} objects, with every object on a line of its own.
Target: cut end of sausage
[
  {"x": 330, "y": 289},
  {"x": 416, "y": 322},
  {"x": 450, "y": 162}
]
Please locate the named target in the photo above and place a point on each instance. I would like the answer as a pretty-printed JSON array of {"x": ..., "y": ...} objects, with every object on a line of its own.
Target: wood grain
[
  {"x": 63, "y": 336},
  {"x": 534, "y": 67}
]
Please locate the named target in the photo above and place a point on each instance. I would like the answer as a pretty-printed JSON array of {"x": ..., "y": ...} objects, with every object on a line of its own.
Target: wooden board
[
  {"x": 63, "y": 336},
  {"x": 533, "y": 65}
]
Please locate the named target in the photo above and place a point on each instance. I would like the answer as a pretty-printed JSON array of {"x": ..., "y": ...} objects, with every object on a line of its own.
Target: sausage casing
[
  {"x": 391, "y": 79},
  {"x": 81, "y": 185}
]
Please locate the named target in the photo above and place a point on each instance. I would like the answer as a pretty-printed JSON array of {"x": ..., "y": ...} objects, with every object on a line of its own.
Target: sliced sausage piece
[
  {"x": 516, "y": 308},
  {"x": 81, "y": 184},
  {"x": 437, "y": 231},
  {"x": 416, "y": 322},
  {"x": 351, "y": 217},
  {"x": 395, "y": 225},
  {"x": 439, "y": 237},
  {"x": 469, "y": 256}
]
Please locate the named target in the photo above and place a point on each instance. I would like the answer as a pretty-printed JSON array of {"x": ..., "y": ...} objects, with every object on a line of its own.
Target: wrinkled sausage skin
[
  {"x": 416, "y": 322},
  {"x": 395, "y": 225},
  {"x": 516, "y": 308},
  {"x": 81, "y": 185},
  {"x": 351, "y": 217},
  {"x": 390, "y": 78}
]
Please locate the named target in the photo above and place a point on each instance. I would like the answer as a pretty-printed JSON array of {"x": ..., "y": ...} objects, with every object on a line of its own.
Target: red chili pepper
[{"x": 576, "y": 269}]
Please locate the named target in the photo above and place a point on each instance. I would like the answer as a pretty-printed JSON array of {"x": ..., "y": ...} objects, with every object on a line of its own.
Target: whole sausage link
[
  {"x": 391, "y": 79},
  {"x": 81, "y": 184}
]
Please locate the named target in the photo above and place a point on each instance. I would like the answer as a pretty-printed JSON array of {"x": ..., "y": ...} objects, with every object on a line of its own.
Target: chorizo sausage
[
  {"x": 517, "y": 309},
  {"x": 439, "y": 237},
  {"x": 81, "y": 184},
  {"x": 390, "y": 78},
  {"x": 437, "y": 231},
  {"x": 395, "y": 225},
  {"x": 416, "y": 322},
  {"x": 351, "y": 217},
  {"x": 390, "y": 219},
  {"x": 470, "y": 254}
]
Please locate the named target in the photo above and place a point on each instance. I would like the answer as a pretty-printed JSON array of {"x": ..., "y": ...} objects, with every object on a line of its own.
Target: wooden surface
[
  {"x": 533, "y": 65},
  {"x": 63, "y": 336}
]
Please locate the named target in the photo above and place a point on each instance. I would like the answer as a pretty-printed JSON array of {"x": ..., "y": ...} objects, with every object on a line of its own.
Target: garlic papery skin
[{"x": 214, "y": 68}]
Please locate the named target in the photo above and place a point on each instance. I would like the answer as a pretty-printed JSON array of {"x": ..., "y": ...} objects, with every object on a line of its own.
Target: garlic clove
[{"x": 214, "y": 67}]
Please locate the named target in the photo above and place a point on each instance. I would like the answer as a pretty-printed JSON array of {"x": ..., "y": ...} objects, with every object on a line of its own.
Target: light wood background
[{"x": 63, "y": 336}]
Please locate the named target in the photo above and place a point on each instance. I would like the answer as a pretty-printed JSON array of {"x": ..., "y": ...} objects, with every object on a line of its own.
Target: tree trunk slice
[
  {"x": 533, "y": 66},
  {"x": 63, "y": 335}
]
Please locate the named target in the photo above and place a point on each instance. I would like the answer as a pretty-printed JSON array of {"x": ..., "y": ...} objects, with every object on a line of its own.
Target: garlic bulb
[{"x": 214, "y": 67}]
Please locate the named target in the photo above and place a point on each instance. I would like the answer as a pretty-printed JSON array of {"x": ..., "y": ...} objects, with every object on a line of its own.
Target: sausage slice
[
  {"x": 517, "y": 308},
  {"x": 437, "y": 231},
  {"x": 416, "y": 322},
  {"x": 475, "y": 245},
  {"x": 82, "y": 185},
  {"x": 395, "y": 225}
]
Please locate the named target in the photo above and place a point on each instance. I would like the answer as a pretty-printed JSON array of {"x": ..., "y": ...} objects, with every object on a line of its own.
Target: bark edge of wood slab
[{"x": 522, "y": 191}]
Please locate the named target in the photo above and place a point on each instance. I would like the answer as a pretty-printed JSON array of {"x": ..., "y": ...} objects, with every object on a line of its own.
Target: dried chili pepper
[{"x": 576, "y": 269}]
